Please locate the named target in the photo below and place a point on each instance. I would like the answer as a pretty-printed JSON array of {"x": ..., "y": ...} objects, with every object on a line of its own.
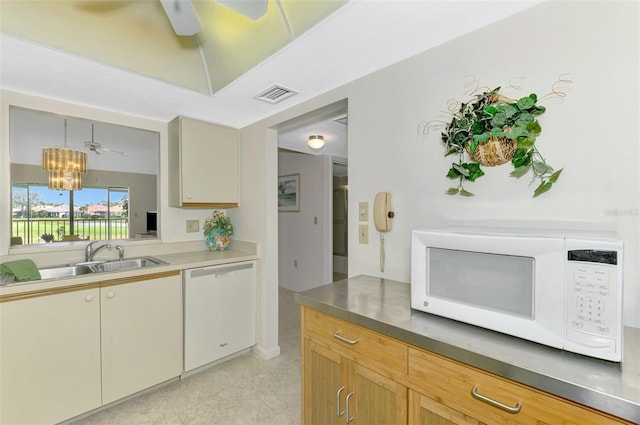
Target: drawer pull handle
[
  {"x": 337, "y": 335},
  {"x": 347, "y": 418},
  {"x": 338, "y": 412},
  {"x": 478, "y": 396}
]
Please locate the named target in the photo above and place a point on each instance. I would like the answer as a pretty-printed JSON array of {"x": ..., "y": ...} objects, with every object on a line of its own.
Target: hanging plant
[{"x": 493, "y": 129}]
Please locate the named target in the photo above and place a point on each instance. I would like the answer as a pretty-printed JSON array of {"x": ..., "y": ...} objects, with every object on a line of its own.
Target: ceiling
[{"x": 333, "y": 43}]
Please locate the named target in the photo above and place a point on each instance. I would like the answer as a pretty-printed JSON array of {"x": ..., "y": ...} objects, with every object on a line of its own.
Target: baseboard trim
[{"x": 266, "y": 354}]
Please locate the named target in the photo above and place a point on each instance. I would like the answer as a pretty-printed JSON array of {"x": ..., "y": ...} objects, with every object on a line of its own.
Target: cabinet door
[
  {"x": 141, "y": 335},
  {"x": 209, "y": 163},
  {"x": 49, "y": 357},
  {"x": 426, "y": 411},
  {"x": 323, "y": 385},
  {"x": 375, "y": 399}
]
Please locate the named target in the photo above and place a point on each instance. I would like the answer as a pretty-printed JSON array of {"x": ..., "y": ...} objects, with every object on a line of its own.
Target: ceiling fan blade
[
  {"x": 113, "y": 151},
  {"x": 252, "y": 9},
  {"x": 182, "y": 16}
]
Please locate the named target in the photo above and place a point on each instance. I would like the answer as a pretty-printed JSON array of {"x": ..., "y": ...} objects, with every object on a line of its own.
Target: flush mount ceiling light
[
  {"x": 64, "y": 166},
  {"x": 316, "y": 142}
]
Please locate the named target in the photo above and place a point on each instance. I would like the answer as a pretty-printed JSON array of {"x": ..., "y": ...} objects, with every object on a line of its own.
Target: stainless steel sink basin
[
  {"x": 98, "y": 267},
  {"x": 64, "y": 271},
  {"x": 90, "y": 267},
  {"x": 126, "y": 264}
]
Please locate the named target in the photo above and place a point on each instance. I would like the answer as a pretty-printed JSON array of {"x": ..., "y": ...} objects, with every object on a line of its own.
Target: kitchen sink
[
  {"x": 90, "y": 267},
  {"x": 64, "y": 271},
  {"x": 126, "y": 264}
]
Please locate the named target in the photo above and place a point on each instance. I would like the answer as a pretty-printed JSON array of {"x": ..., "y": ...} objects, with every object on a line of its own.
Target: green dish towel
[{"x": 21, "y": 269}]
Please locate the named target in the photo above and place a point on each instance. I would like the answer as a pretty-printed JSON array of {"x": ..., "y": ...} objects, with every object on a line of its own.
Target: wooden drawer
[
  {"x": 451, "y": 384},
  {"x": 385, "y": 354}
]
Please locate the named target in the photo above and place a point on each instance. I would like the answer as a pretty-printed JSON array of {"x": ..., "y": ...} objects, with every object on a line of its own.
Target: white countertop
[{"x": 175, "y": 261}]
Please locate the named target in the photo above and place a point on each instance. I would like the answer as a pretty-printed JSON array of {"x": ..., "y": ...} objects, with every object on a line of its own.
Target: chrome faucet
[
  {"x": 120, "y": 249},
  {"x": 90, "y": 251}
]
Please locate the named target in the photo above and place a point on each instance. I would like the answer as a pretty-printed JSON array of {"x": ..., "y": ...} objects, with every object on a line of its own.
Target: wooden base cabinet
[
  {"x": 426, "y": 411},
  {"x": 342, "y": 382},
  {"x": 470, "y": 394},
  {"x": 353, "y": 375}
]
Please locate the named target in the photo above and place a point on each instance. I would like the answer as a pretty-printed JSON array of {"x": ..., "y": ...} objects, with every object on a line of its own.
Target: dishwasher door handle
[{"x": 219, "y": 271}]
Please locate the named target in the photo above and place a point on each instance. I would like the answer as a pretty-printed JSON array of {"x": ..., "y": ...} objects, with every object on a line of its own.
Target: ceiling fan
[
  {"x": 97, "y": 148},
  {"x": 183, "y": 17}
]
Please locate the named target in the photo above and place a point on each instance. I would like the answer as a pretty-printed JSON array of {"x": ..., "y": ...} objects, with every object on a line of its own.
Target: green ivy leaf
[
  {"x": 544, "y": 187},
  {"x": 525, "y": 119},
  {"x": 473, "y": 171},
  {"x": 520, "y": 171},
  {"x": 453, "y": 173},
  {"x": 497, "y": 132},
  {"x": 541, "y": 168},
  {"x": 481, "y": 138},
  {"x": 534, "y": 127},
  {"x": 452, "y": 191},
  {"x": 527, "y": 102},
  {"x": 477, "y": 128},
  {"x": 554, "y": 177},
  {"x": 499, "y": 120},
  {"x": 526, "y": 142},
  {"x": 538, "y": 110},
  {"x": 464, "y": 192},
  {"x": 510, "y": 110},
  {"x": 521, "y": 157},
  {"x": 491, "y": 110}
]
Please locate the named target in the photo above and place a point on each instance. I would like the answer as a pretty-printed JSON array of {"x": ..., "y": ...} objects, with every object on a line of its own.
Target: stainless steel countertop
[{"x": 384, "y": 306}]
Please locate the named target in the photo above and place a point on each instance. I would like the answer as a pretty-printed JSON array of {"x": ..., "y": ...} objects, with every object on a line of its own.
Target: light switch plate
[
  {"x": 363, "y": 211},
  {"x": 193, "y": 226},
  {"x": 363, "y": 233}
]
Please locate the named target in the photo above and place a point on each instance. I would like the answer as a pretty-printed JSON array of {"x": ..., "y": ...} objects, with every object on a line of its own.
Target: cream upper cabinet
[
  {"x": 141, "y": 330},
  {"x": 49, "y": 357},
  {"x": 203, "y": 164}
]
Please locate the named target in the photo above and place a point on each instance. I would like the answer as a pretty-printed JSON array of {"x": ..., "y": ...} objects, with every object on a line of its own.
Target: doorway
[
  {"x": 340, "y": 220},
  {"x": 310, "y": 233}
]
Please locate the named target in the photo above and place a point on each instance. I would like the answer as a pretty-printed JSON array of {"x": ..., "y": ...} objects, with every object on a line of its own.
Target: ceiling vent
[{"x": 275, "y": 94}]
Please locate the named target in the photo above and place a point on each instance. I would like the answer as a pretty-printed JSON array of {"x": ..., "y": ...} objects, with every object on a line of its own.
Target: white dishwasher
[{"x": 219, "y": 312}]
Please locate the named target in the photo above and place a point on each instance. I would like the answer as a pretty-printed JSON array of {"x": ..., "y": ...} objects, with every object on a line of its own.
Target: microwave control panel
[{"x": 592, "y": 298}]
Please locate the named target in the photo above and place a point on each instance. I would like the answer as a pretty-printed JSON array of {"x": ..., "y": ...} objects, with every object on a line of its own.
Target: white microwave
[{"x": 554, "y": 289}]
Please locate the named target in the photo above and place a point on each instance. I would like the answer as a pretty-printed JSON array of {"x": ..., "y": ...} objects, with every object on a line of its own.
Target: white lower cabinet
[
  {"x": 49, "y": 357},
  {"x": 67, "y": 353},
  {"x": 141, "y": 332}
]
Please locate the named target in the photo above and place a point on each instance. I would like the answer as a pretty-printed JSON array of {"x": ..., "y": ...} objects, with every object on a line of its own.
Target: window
[{"x": 42, "y": 215}]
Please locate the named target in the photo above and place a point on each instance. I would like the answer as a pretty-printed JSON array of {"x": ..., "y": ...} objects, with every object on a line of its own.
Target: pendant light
[{"x": 64, "y": 166}]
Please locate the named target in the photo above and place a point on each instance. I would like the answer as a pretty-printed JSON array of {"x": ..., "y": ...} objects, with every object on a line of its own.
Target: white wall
[
  {"x": 301, "y": 243},
  {"x": 593, "y": 132}
]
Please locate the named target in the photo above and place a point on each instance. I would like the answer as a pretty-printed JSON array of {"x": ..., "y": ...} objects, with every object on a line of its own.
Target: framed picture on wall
[{"x": 289, "y": 193}]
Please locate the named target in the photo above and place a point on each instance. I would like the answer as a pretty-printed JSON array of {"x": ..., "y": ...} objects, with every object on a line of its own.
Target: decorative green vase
[{"x": 217, "y": 240}]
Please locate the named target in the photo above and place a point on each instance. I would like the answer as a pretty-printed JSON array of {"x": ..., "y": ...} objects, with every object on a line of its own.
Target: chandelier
[{"x": 65, "y": 166}]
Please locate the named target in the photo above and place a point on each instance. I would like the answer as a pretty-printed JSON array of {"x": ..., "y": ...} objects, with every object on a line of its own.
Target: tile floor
[{"x": 244, "y": 390}]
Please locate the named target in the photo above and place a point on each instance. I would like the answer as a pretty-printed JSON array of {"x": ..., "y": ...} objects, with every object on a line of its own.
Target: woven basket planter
[{"x": 495, "y": 151}]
